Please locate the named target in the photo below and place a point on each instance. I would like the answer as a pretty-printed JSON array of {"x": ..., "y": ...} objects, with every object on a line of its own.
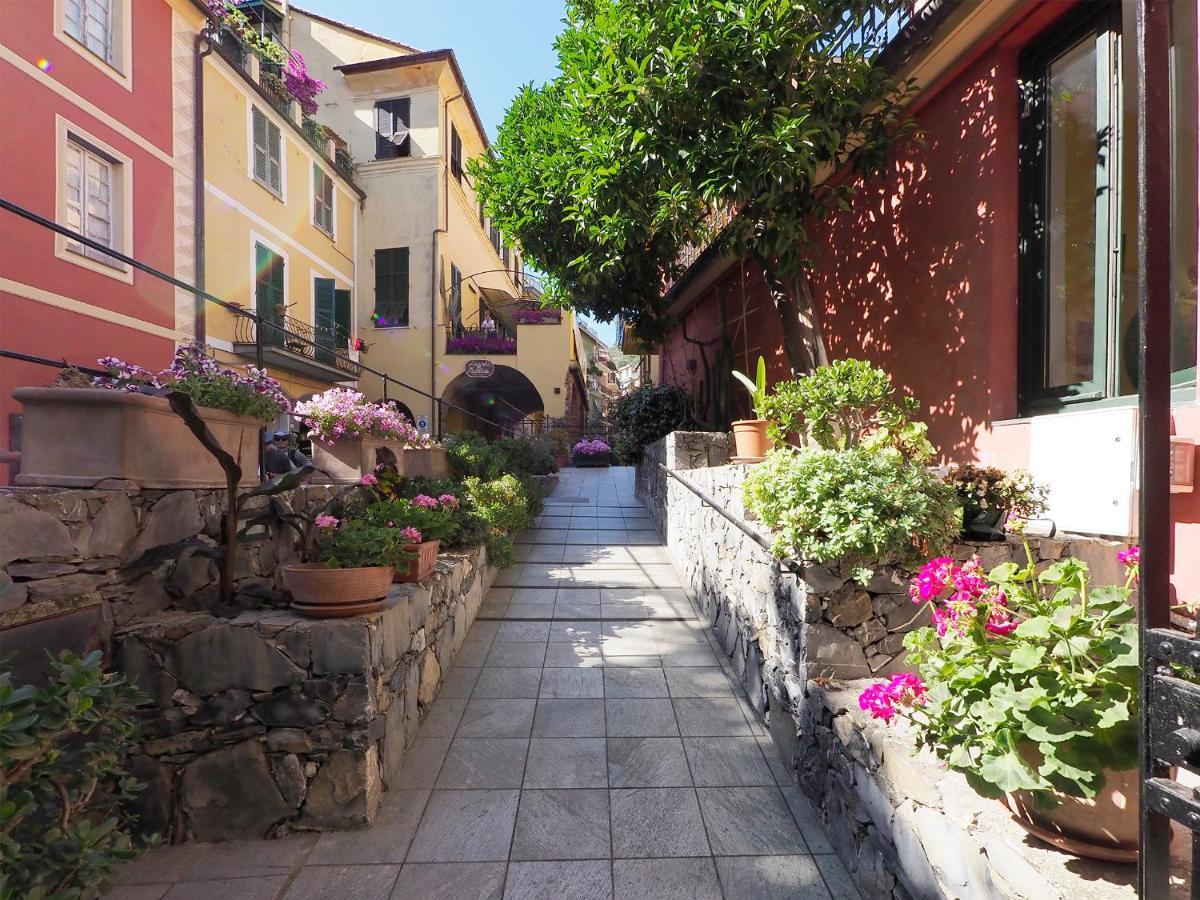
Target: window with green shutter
[
  {"x": 269, "y": 299},
  {"x": 268, "y": 152},
  {"x": 391, "y": 288},
  {"x": 322, "y": 199}
]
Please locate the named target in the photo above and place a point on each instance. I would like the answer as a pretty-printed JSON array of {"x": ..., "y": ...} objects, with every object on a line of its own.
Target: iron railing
[{"x": 323, "y": 343}]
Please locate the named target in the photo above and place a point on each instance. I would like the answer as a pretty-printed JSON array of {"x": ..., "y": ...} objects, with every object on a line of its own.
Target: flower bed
[
  {"x": 591, "y": 453},
  {"x": 352, "y": 436}
]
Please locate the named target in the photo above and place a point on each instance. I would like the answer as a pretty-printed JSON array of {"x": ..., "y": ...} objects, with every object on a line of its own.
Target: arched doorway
[{"x": 492, "y": 403}]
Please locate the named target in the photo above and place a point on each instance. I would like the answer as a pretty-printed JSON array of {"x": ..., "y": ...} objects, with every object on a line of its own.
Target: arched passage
[{"x": 493, "y": 402}]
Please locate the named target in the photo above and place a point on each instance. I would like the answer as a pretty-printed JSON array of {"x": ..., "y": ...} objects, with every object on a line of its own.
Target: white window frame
[
  {"x": 118, "y": 63},
  {"x": 120, "y": 198},
  {"x": 331, "y": 231},
  {"x": 281, "y": 193}
]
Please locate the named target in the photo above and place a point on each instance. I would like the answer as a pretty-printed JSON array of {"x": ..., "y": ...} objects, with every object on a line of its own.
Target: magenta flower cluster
[
  {"x": 326, "y": 522},
  {"x": 885, "y": 699},
  {"x": 342, "y": 413},
  {"x": 448, "y": 501},
  {"x": 425, "y": 501},
  {"x": 957, "y": 594},
  {"x": 1131, "y": 557},
  {"x": 478, "y": 343},
  {"x": 302, "y": 86},
  {"x": 206, "y": 381},
  {"x": 411, "y": 534},
  {"x": 594, "y": 447},
  {"x": 538, "y": 316}
]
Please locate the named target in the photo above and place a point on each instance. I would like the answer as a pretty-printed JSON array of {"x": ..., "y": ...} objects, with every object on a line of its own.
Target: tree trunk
[{"x": 801, "y": 340}]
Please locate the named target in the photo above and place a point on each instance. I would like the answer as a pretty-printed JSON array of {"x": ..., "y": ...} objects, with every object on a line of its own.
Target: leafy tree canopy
[{"x": 668, "y": 110}]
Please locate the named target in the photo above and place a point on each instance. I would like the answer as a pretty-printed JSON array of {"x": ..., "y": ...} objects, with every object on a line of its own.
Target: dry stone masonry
[
  {"x": 791, "y": 632},
  {"x": 260, "y": 721}
]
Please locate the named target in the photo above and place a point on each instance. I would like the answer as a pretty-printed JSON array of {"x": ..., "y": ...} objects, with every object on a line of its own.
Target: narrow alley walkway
[{"x": 587, "y": 744}]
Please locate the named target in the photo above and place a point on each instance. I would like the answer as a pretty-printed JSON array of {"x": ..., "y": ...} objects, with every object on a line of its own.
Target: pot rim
[
  {"x": 738, "y": 422},
  {"x": 321, "y": 567},
  {"x": 92, "y": 396}
]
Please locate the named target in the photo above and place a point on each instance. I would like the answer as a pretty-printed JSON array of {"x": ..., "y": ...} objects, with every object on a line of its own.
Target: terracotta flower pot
[
  {"x": 426, "y": 462},
  {"x": 1105, "y": 827},
  {"x": 750, "y": 440},
  {"x": 421, "y": 567},
  {"x": 318, "y": 590},
  {"x": 79, "y": 437},
  {"x": 350, "y": 458}
]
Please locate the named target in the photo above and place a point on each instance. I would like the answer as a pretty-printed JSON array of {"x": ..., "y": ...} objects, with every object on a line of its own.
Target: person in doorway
[
  {"x": 489, "y": 324},
  {"x": 281, "y": 455}
]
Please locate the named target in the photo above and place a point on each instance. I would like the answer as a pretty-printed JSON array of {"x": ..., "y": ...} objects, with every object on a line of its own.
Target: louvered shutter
[
  {"x": 341, "y": 319},
  {"x": 274, "y": 150},
  {"x": 384, "y": 128},
  {"x": 260, "y": 146}
]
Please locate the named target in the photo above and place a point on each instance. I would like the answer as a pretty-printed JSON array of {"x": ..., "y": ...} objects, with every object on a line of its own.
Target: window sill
[
  {"x": 390, "y": 327},
  {"x": 1180, "y": 395},
  {"x": 115, "y": 270},
  {"x": 278, "y": 195},
  {"x": 328, "y": 234},
  {"x": 110, "y": 68}
]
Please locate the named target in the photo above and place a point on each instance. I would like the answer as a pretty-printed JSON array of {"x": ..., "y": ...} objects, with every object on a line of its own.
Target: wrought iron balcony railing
[{"x": 293, "y": 337}]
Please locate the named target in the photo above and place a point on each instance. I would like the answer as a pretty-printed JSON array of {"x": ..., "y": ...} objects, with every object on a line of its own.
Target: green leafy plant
[
  {"x": 982, "y": 488},
  {"x": 846, "y": 404},
  {"x": 505, "y": 505},
  {"x": 355, "y": 543},
  {"x": 644, "y": 415},
  {"x": 432, "y": 517},
  {"x": 64, "y": 786},
  {"x": 757, "y": 388},
  {"x": 666, "y": 116},
  {"x": 857, "y": 506},
  {"x": 1028, "y": 679}
]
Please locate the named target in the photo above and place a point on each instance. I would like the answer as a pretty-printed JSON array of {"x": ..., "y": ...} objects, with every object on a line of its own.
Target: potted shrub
[
  {"x": 424, "y": 523},
  {"x": 750, "y": 435},
  {"x": 351, "y": 435},
  {"x": 988, "y": 495},
  {"x": 356, "y": 563},
  {"x": 1028, "y": 686},
  {"x": 121, "y": 426},
  {"x": 592, "y": 453}
]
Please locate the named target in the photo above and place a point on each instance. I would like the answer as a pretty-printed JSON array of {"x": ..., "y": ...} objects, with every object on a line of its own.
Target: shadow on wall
[{"x": 920, "y": 276}]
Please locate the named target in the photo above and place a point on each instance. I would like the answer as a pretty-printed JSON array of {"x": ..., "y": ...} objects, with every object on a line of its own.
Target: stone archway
[{"x": 493, "y": 403}]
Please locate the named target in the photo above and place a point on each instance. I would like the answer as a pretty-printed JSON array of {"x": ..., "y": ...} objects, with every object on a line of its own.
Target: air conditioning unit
[{"x": 1089, "y": 461}]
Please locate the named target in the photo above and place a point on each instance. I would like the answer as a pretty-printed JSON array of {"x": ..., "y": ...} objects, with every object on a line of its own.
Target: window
[
  {"x": 270, "y": 300},
  {"x": 91, "y": 23},
  {"x": 391, "y": 288},
  {"x": 1078, "y": 269},
  {"x": 392, "y": 137},
  {"x": 494, "y": 235},
  {"x": 268, "y": 168},
  {"x": 322, "y": 200},
  {"x": 331, "y": 320},
  {"x": 456, "y": 162},
  {"x": 92, "y": 200}
]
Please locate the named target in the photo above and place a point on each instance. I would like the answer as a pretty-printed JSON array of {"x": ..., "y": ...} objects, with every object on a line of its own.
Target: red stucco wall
[
  {"x": 920, "y": 277},
  {"x": 91, "y": 101}
]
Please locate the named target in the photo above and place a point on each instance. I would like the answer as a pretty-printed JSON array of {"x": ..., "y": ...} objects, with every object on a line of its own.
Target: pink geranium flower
[
  {"x": 327, "y": 522},
  {"x": 884, "y": 699},
  {"x": 412, "y": 535},
  {"x": 368, "y": 480},
  {"x": 449, "y": 501},
  {"x": 424, "y": 501}
]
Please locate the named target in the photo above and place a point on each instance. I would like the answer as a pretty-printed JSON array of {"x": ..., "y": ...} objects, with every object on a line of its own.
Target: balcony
[{"x": 288, "y": 344}]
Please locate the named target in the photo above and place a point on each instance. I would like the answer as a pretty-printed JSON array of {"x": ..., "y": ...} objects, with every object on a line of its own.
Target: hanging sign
[{"x": 480, "y": 368}]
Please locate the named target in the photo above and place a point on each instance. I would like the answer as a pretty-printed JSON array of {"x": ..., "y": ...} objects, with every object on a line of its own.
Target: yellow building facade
[
  {"x": 279, "y": 228},
  {"x": 444, "y": 306}
]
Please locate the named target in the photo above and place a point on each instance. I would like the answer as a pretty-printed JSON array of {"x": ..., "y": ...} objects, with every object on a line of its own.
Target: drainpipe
[
  {"x": 435, "y": 269},
  {"x": 198, "y": 308}
]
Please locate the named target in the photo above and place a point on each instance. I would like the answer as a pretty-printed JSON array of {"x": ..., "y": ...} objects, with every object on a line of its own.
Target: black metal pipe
[
  {"x": 36, "y": 218},
  {"x": 791, "y": 565},
  {"x": 200, "y": 325}
]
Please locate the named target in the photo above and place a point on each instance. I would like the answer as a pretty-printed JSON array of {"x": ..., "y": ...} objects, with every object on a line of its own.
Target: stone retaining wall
[
  {"x": 270, "y": 721},
  {"x": 787, "y": 635},
  {"x": 262, "y": 721}
]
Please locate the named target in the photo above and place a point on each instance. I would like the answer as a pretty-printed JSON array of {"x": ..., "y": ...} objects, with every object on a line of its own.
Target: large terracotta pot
[
  {"x": 323, "y": 592},
  {"x": 750, "y": 440},
  {"x": 79, "y": 437},
  {"x": 1105, "y": 827},
  {"x": 426, "y": 462},
  {"x": 421, "y": 567},
  {"x": 350, "y": 458}
]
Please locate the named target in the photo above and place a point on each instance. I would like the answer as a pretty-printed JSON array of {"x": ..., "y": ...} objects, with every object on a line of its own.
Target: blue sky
[{"x": 500, "y": 46}]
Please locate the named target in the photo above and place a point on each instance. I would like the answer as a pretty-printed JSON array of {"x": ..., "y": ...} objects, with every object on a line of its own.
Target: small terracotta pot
[
  {"x": 750, "y": 440},
  {"x": 1105, "y": 827},
  {"x": 421, "y": 567},
  {"x": 316, "y": 585}
]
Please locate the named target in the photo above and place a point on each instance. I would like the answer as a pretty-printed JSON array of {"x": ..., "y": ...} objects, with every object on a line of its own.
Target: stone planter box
[
  {"x": 426, "y": 462},
  {"x": 81, "y": 437},
  {"x": 592, "y": 460},
  {"x": 346, "y": 461}
]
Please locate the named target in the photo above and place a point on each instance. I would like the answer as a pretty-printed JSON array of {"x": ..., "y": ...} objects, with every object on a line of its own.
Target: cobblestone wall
[{"x": 790, "y": 635}]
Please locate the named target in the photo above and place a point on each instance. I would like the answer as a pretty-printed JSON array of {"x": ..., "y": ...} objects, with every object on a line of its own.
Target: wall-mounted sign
[
  {"x": 423, "y": 424},
  {"x": 480, "y": 368}
]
